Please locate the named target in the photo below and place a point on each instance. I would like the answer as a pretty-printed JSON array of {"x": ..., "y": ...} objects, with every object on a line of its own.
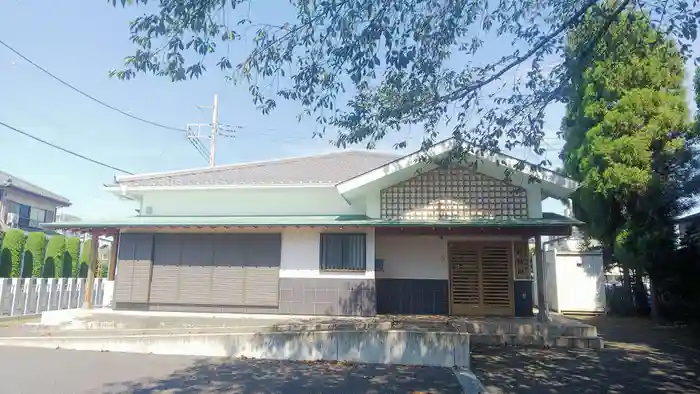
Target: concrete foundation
[
  {"x": 560, "y": 332},
  {"x": 443, "y": 349}
]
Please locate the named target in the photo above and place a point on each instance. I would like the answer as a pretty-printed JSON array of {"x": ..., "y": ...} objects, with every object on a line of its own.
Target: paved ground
[
  {"x": 639, "y": 358},
  {"x": 40, "y": 371}
]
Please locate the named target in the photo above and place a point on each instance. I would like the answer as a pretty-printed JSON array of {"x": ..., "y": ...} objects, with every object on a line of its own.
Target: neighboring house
[
  {"x": 26, "y": 206},
  {"x": 346, "y": 233},
  {"x": 65, "y": 217}
]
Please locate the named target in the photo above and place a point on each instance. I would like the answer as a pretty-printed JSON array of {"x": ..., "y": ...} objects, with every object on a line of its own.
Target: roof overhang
[
  {"x": 494, "y": 165},
  {"x": 549, "y": 224}
]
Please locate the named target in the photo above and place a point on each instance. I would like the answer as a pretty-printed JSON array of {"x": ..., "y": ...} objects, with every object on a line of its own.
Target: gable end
[{"x": 453, "y": 193}]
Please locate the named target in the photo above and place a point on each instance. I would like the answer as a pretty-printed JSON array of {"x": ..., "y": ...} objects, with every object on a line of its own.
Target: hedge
[
  {"x": 34, "y": 254},
  {"x": 54, "y": 256},
  {"x": 11, "y": 254},
  {"x": 70, "y": 257},
  {"x": 84, "y": 259}
]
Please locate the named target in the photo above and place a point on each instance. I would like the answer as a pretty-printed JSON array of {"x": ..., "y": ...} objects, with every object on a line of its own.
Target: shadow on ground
[
  {"x": 264, "y": 376},
  {"x": 639, "y": 357}
]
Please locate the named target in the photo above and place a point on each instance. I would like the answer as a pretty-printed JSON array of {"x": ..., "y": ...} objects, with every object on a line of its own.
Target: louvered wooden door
[{"x": 481, "y": 278}]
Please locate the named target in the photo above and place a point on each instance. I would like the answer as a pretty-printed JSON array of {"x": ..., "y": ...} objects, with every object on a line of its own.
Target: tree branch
[{"x": 460, "y": 93}]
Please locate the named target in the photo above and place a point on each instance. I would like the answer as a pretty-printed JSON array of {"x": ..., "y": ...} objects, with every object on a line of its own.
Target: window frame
[
  {"x": 36, "y": 219},
  {"x": 16, "y": 208},
  {"x": 344, "y": 266}
]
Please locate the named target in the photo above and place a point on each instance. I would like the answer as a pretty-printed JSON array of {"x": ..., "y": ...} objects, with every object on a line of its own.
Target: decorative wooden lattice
[
  {"x": 521, "y": 258},
  {"x": 480, "y": 278},
  {"x": 453, "y": 193}
]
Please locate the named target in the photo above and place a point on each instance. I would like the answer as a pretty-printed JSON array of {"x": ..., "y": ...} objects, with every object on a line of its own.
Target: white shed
[{"x": 575, "y": 280}]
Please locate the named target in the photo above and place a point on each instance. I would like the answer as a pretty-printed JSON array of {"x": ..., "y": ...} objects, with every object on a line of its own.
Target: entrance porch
[
  {"x": 559, "y": 332},
  {"x": 459, "y": 271}
]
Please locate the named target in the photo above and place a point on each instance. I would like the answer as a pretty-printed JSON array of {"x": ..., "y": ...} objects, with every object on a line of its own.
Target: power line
[
  {"x": 113, "y": 108},
  {"x": 197, "y": 144},
  {"x": 70, "y": 152}
]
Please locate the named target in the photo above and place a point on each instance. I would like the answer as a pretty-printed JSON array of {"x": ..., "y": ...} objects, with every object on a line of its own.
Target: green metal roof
[
  {"x": 548, "y": 219},
  {"x": 179, "y": 221}
]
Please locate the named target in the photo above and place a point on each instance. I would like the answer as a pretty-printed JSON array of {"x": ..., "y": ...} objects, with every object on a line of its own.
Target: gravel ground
[{"x": 41, "y": 371}]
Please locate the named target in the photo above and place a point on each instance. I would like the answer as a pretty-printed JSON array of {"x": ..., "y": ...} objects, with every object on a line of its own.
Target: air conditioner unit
[{"x": 12, "y": 219}]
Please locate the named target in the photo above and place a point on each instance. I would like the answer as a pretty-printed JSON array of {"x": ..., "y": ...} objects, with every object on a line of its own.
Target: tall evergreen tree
[{"x": 627, "y": 137}]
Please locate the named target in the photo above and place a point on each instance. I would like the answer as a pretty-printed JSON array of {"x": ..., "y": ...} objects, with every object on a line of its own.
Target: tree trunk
[
  {"x": 607, "y": 256},
  {"x": 640, "y": 293},
  {"x": 626, "y": 279},
  {"x": 654, "y": 299},
  {"x": 627, "y": 300}
]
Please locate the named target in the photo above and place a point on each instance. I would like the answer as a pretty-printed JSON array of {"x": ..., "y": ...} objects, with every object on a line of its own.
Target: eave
[{"x": 552, "y": 183}]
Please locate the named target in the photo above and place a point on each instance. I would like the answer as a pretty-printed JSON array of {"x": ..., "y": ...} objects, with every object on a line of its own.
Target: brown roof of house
[{"x": 327, "y": 168}]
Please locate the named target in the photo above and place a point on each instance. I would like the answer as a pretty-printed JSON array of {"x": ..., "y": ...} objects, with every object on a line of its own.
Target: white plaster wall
[
  {"x": 580, "y": 281},
  {"x": 373, "y": 204},
  {"x": 412, "y": 257},
  {"x": 534, "y": 200},
  {"x": 419, "y": 256},
  {"x": 551, "y": 281},
  {"x": 241, "y": 202},
  {"x": 283, "y": 201},
  {"x": 301, "y": 249}
]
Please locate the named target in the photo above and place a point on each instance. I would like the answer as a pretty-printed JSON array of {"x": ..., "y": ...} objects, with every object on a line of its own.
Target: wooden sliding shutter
[{"x": 481, "y": 280}]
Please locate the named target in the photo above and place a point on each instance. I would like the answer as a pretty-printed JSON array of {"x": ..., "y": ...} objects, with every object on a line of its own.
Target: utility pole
[
  {"x": 214, "y": 131},
  {"x": 195, "y": 136}
]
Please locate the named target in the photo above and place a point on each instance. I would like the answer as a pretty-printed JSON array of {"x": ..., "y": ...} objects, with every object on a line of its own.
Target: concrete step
[
  {"x": 549, "y": 330},
  {"x": 569, "y": 342}
]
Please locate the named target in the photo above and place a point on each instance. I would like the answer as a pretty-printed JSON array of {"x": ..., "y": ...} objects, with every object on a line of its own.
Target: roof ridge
[
  {"x": 250, "y": 164},
  {"x": 47, "y": 191}
]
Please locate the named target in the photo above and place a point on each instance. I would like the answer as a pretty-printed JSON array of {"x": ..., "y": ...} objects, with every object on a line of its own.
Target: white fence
[{"x": 35, "y": 295}]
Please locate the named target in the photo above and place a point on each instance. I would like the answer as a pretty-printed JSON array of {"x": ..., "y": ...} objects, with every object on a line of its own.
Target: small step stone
[
  {"x": 581, "y": 331},
  {"x": 579, "y": 342}
]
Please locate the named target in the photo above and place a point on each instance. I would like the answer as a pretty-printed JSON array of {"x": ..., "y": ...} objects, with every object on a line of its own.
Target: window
[
  {"x": 28, "y": 216},
  {"x": 37, "y": 217},
  {"x": 343, "y": 252},
  {"x": 21, "y": 212},
  {"x": 24, "y": 215}
]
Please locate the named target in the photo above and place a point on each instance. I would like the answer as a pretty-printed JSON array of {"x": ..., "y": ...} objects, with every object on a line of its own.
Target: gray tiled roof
[
  {"x": 21, "y": 184},
  {"x": 320, "y": 169}
]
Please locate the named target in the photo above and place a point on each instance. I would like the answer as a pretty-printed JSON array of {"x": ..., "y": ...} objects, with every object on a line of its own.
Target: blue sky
[{"x": 80, "y": 41}]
